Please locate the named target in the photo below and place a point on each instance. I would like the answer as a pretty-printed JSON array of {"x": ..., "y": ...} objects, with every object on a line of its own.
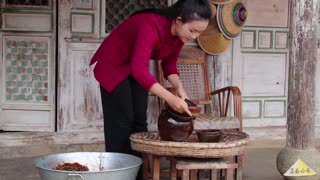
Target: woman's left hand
[
  {"x": 176, "y": 83},
  {"x": 182, "y": 93}
]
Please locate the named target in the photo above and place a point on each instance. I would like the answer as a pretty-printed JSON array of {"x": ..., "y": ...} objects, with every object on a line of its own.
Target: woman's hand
[
  {"x": 178, "y": 104},
  {"x": 176, "y": 83},
  {"x": 182, "y": 93},
  {"x": 175, "y": 102}
]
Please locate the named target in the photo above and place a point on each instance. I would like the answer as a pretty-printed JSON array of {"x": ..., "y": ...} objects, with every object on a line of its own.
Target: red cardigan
[{"x": 129, "y": 48}]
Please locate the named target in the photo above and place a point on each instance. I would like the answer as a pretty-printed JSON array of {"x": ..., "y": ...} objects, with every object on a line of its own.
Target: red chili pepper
[{"x": 72, "y": 167}]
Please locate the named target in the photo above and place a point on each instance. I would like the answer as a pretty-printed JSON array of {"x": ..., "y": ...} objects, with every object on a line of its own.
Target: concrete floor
[{"x": 260, "y": 163}]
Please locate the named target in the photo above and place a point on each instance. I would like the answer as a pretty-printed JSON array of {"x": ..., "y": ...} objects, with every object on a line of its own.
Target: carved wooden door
[
  {"x": 27, "y": 67},
  {"x": 78, "y": 99}
]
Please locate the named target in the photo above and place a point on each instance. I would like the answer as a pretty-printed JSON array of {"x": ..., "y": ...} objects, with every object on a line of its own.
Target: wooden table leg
[
  {"x": 173, "y": 170},
  {"x": 193, "y": 174},
  {"x": 145, "y": 166},
  {"x": 185, "y": 174},
  {"x": 156, "y": 168},
  {"x": 239, "y": 160},
  {"x": 229, "y": 174},
  {"x": 214, "y": 174}
]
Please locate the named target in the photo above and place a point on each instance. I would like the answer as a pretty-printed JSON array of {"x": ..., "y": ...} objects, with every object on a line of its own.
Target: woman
[{"x": 122, "y": 67}]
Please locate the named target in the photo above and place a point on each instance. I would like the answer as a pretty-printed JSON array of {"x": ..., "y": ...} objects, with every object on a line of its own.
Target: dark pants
[{"x": 125, "y": 113}]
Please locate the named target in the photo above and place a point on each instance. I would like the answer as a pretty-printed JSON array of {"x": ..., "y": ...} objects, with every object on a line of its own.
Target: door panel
[
  {"x": 27, "y": 66},
  {"x": 78, "y": 103},
  {"x": 27, "y": 22}
]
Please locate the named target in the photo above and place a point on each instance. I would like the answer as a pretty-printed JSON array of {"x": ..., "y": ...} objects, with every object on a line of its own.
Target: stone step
[
  {"x": 30, "y": 144},
  {"x": 40, "y": 150}
]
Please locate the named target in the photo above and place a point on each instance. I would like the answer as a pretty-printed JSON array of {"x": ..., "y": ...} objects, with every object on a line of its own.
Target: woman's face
[{"x": 190, "y": 30}]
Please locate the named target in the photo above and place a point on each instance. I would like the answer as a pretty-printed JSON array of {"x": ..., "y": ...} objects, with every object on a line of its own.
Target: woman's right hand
[
  {"x": 178, "y": 104},
  {"x": 175, "y": 102}
]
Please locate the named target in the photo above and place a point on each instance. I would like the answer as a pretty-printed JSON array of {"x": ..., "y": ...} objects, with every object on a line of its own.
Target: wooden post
[
  {"x": 302, "y": 71},
  {"x": 301, "y": 92}
]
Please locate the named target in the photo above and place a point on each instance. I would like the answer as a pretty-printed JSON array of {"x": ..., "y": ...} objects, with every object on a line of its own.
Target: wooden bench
[{"x": 220, "y": 168}]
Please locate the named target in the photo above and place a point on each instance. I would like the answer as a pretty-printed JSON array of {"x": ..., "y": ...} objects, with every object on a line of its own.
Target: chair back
[{"x": 193, "y": 73}]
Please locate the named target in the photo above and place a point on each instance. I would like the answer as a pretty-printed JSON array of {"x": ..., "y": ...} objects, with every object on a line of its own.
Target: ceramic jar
[{"x": 174, "y": 126}]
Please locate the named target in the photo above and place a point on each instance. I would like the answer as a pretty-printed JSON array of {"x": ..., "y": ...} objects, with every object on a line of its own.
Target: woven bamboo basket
[{"x": 149, "y": 142}]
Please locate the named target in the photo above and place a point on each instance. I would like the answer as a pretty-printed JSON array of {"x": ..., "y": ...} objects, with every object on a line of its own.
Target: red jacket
[{"x": 129, "y": 48}]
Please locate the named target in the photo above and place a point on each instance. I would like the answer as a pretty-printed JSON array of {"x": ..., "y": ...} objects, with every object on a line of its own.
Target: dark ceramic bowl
[
  {"x": 193, "y": 108},
  {"x": 184, "y": 117},
  {"x": 209, "y": 135}
]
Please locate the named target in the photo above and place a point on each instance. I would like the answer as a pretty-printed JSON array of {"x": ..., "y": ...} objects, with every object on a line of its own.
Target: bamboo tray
[{"x": 233, "y": 144}]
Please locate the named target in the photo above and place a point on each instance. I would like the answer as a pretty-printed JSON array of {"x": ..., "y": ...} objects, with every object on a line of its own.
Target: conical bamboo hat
[
  {"x": 231, "y": 18},
  {"x": 212, "y": 40},
  {"x": 220, "y": 1}
]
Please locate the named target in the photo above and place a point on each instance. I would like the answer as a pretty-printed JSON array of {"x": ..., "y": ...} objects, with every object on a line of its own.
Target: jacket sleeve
[
  {"x": 169, "y": 64},
  {"x": 146, "y": 39}
]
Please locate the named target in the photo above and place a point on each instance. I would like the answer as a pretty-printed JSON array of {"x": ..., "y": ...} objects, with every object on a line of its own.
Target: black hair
[{"x": 188, "y": 10}]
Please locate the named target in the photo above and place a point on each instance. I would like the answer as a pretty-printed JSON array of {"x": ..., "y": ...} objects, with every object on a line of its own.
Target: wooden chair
[{"x": 193, "y": 72}]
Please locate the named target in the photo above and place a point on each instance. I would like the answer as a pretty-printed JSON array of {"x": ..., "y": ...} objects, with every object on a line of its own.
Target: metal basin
[{"x": 102, "y": 166}]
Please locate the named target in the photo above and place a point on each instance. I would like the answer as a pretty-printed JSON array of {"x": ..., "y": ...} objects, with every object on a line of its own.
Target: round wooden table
[{"x": 149, "y": 143}]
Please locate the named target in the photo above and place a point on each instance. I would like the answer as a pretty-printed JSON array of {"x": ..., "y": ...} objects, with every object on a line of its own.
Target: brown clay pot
[
  {"x": 174, "y": 126},
  {"x": 171, "y": 129}
]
